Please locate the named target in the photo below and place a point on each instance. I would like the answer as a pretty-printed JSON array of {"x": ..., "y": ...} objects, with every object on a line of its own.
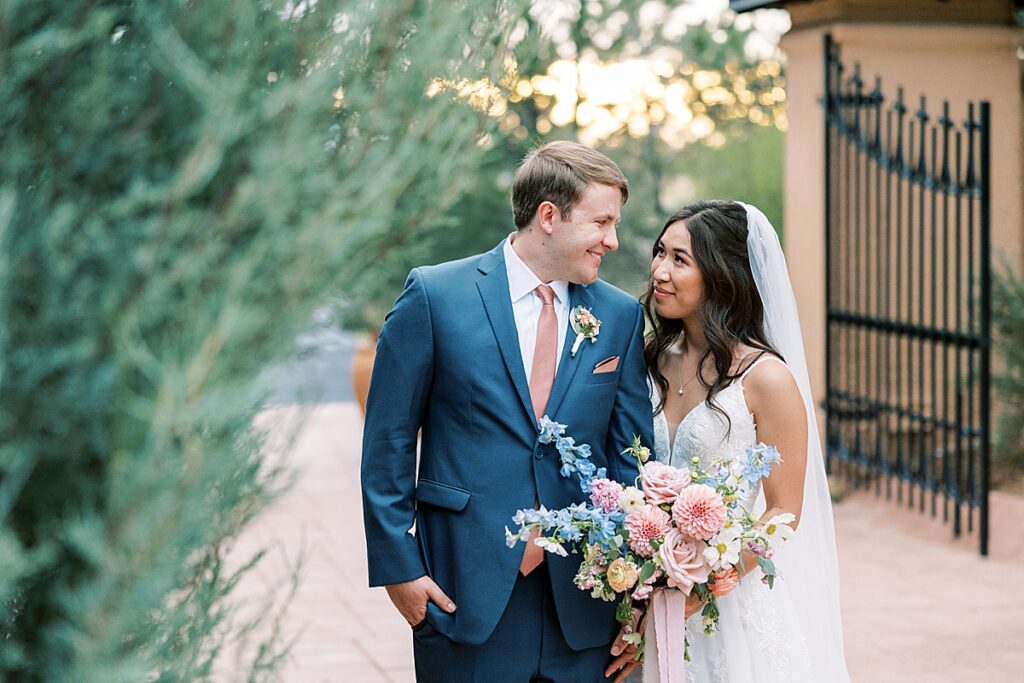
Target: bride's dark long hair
[{"x": 731, "y": 310}]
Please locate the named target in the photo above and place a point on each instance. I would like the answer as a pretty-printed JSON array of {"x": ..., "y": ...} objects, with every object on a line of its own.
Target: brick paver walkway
[{"x": 916, "y": 606}]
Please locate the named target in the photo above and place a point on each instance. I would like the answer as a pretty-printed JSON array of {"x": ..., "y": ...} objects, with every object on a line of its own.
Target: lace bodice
[{"x": 705, "y": 433}]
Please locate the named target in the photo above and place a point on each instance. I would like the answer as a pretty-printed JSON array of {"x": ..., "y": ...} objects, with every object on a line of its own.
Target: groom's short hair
[{"x": 559, "y": 172}]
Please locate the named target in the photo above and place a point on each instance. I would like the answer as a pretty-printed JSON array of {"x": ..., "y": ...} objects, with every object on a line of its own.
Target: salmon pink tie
[
  {"x": 542, "y": 377},
  {"x": 542, "y": 374}
]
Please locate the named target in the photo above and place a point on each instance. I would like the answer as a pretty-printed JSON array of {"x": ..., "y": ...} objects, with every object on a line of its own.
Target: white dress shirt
[{"x": 526, "y": 305}]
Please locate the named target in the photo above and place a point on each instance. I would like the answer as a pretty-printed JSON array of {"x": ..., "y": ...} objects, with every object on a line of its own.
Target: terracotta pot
[{"x": 362, "y": 369}]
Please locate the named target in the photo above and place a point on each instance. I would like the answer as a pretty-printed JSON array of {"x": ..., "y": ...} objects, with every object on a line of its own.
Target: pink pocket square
[{"x": 607, "y": 365}]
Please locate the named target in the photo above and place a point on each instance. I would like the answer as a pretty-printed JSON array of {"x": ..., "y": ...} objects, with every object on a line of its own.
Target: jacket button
[{"x": 538, "y": 453}]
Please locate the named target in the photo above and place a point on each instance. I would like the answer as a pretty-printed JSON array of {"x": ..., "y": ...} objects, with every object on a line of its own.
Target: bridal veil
[{"x": 808, "y": 561}]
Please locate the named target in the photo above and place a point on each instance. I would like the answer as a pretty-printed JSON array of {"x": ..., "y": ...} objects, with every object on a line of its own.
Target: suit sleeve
[
  {"x": 395, "y": 407},
  {"x": 632, "y": 414}
]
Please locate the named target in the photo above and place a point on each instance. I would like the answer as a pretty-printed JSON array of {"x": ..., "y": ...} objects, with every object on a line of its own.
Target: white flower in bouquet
[
  {"x": 631, "y": 499},
  {"x": 735, "y": 478},
  {"x": 723, "y": 549},
  {"x": 551, "y": 546},
  {"x": 777, "y": 529}
]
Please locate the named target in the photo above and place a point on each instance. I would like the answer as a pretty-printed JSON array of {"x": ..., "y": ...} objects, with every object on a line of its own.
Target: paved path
[{"x": 916, "y": 606}]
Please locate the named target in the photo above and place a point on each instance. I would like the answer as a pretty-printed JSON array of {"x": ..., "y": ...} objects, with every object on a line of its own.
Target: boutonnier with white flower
[
  {"x": 586, "y": 326},
  {"x": 677, "y": 531}
]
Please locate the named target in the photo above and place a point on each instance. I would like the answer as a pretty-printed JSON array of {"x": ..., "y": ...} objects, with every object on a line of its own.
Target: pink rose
[
  {"x": 699, "y": 511},
  {"x": 646, "y": 524},
  {"x": 605, "y": 493},
  {"x": 662, "y": 483},
  {"x": 682, "y": 560}
]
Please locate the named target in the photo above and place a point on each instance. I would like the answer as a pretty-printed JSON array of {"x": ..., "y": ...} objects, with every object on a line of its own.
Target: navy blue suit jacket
[{"x": 448, "y": 362}]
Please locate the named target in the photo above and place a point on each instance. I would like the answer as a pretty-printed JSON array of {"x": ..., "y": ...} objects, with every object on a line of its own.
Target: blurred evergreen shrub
[
  {"x": 180, "y": 184},
  {"x": 1008, "y": 380}
]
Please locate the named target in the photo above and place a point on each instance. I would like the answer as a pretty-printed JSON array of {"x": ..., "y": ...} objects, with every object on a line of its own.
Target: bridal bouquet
[{"x": 680, "y": 529}]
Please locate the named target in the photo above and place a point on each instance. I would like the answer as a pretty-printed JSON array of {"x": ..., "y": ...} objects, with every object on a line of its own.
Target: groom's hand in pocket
[{"x": 410, "y": 598}]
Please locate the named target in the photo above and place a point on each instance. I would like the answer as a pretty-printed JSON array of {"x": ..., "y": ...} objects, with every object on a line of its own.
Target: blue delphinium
[
  {"x": 531, "y": 516},
  {"x": 758, "y": 463},
  {"x": 599, "y": 473},
  {"x": 549, "y": 430},
  {"x": 565, "y": 527},
  {"x": 585, "y": 468},
  {"x": 604, "y": 528},
  {"x": 569, "y": 524},
  {"x": 574, "y": 459},
  {"x": 717, "y": 475}
]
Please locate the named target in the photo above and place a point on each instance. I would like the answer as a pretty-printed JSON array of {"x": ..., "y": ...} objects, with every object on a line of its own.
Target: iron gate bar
[
  {"x": 908, "y": 320},
  {"x": 954, "y": 194},
  {"x": 922, "y": 332},
  {"x": 946, "y": 124},
  {"x": 971, "y": 182},
  {"x": 886, "y": 162},
  {"x": 910, "y": 415},
  {"x": 985, "y": 374}
]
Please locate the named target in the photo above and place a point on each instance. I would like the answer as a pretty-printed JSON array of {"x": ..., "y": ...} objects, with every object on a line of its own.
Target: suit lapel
[
  {"x": 568, "y": 366},
  {"x": 494, "y": 292}
]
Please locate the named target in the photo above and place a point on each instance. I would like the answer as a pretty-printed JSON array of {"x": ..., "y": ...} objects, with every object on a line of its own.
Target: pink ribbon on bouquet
[{"x": 665, "y": 638}]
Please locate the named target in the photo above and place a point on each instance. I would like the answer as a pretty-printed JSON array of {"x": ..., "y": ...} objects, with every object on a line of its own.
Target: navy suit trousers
[{"x": 526, "y": 647}]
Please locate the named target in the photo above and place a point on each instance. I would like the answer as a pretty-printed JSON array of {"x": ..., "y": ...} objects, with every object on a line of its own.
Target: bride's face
[{"x": 678, "y": 281}]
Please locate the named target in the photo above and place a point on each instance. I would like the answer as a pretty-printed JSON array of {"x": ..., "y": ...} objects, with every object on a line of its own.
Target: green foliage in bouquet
[{"x": 181, "y": 183}]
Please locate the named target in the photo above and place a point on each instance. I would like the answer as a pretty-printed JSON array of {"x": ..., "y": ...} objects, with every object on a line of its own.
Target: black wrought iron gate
[{"x": 908, "y": 294}]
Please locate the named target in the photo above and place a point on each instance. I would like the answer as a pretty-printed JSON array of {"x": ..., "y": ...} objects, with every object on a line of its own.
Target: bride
[{"x": 728, "y": 370}]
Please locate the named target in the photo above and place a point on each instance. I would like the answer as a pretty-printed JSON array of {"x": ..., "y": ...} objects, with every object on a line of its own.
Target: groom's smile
[{"x": 582, "y": 239}]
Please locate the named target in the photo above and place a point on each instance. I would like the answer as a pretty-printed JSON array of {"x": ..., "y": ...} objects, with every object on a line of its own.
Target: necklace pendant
[{"x": 680, "y": 391}]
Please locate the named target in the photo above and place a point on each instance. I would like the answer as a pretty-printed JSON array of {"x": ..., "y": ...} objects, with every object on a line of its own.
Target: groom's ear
[{"x": 547, "y": 215}]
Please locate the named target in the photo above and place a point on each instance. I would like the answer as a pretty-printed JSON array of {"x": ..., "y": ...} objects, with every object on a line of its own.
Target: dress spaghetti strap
[{"x": 760, "y": 359}]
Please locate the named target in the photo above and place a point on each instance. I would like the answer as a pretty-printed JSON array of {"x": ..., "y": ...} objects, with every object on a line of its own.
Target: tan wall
[{"x": 942, "y": 62}]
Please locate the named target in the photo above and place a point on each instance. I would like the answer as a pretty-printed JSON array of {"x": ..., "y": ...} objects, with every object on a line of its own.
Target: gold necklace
[{"x": 683, "y": 386}]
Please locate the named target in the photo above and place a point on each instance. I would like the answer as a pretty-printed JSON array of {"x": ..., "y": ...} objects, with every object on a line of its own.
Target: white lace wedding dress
[{"x": 759, "y": 639}]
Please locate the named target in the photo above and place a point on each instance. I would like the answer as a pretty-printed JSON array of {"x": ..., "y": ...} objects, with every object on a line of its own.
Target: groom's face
[{"x": 578, "y": 243}]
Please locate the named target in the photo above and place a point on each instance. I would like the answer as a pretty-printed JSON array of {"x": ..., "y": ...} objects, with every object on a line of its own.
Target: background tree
[
  {"x": 689, "y": 103},
  {"x": 180, "y": 184},
  {"x": 677, "y": 95}
]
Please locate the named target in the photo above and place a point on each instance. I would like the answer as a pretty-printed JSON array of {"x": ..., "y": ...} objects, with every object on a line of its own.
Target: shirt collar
[{"x": 522, "y": 281}]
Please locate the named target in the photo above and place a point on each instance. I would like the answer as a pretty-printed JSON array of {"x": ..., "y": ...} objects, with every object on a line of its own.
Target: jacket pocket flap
[{"x": 442, "y": 495}]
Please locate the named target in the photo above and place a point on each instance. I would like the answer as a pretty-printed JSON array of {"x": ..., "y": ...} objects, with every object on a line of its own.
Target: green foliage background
[
  {"x": 180, "y": 184},
  {"x": 747, "y": 166}
]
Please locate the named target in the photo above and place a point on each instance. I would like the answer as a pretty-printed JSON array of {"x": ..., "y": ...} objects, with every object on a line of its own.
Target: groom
[{"x": 472, "y": 355}]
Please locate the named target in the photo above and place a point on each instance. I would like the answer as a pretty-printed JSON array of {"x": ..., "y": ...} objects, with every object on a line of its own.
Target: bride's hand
[
  {"x": 624, "y": 664},
  {"x": 693, "y": 604}
]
